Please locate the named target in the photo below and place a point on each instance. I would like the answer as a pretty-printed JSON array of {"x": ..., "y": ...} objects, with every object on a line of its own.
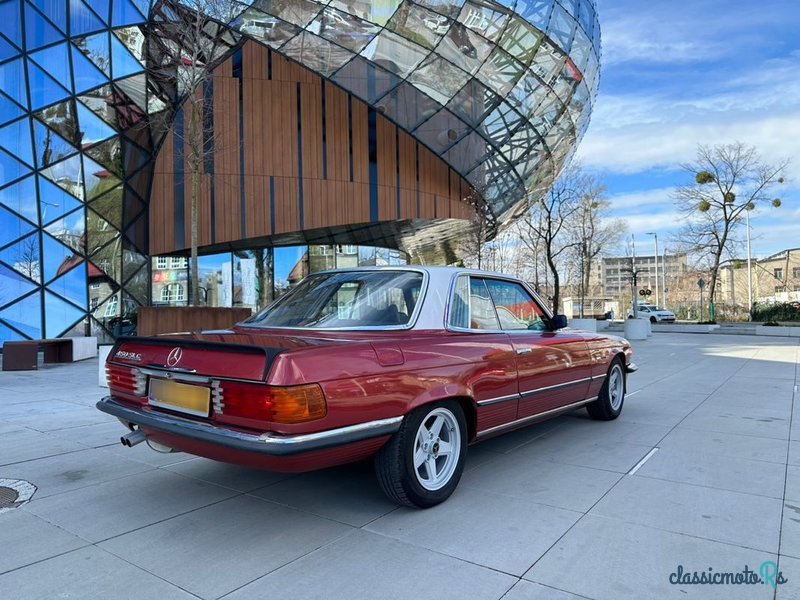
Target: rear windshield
[{"x": 349, "y": 299}]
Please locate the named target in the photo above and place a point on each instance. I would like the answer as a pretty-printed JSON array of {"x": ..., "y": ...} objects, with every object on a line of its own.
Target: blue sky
[{"x": 678, "y": 74}]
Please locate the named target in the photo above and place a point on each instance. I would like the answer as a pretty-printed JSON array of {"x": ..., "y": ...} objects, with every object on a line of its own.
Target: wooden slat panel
[
  {"x": 270, "y": 145},
  {"x": 311, "y": 115},
  {"x": 338, "y": 137},
  {"x": 387, "y": 169},
  {"x": 360, "y": 128},
  {"x": 408, "y": 177},
  {"x": 171, "y": 319}
]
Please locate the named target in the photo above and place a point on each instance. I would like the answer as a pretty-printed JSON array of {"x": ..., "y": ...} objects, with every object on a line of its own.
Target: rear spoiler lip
[{"x": 269, "y": 353}]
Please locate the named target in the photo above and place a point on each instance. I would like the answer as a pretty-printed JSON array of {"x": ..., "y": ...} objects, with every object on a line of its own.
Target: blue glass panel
[
  {"x": 21, "y": 198},
  {"x": 69, "y": 229},
  {"x": 101, "y": 7},
  {"x": 15, "y": 138},
  {"x": 9, "y": 335},
  {"x": 13, "y": 285},
  {"x": 55, "y": 202},
  {"x": 10, "y": 23},
  {"x": 60, "y": 316},
  {"x": 11, "y": 169},
  {"x": 123, "y": 63},
  {"x": 12, "y": 227},
  {"x": 95, "y": 48},
  {"x": 23, "y": 257},
  {"x": 50, "y": 147},
  {"x": 44, "y": 89},
  {"x": 67, "y": 175},
  {"x": 125, "y": 13},
  {"x": 8, "y": 109},
  {"x": 144, "y": 6},
  {"x": 98, "y": 179},
  {"x": 92, "y": 128},
  {"x": 38, "y": 30},
  {"x": 25, "y": 315},
  {"x": 72, "y": 284},
  {"x": 56, "y": 11},
  {"x": 87, "y": 76},
  {"x": 7, "y": 50},
  {"x": 54, "y": 60},
  {"x": 82, "y": 20},
  {"x": 56, "y": 258},
  {"x": 12, "y": 81}
]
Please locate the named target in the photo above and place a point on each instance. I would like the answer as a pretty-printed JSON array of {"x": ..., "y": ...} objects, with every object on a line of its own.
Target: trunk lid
[{"x": 227, "y": 354}]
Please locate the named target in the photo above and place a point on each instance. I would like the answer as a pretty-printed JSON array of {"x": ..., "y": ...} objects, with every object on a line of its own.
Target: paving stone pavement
[{"x": 562, "y": 509}]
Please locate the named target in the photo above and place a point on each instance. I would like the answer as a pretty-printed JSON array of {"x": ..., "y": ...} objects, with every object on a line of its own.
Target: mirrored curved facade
[{"x": 499, "y": 90}]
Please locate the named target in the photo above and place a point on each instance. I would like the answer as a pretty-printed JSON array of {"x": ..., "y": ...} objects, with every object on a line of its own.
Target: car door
[
  {"x": 492, "y": 375},
  {"x": 553, "y": 367}
]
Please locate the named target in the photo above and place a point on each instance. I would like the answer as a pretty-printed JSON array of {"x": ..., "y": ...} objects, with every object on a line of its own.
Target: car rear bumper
[{"x": 268, "y": 444}]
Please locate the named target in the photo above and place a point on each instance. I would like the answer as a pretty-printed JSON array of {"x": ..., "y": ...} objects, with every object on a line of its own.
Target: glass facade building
[{"x": 500, "y": 90}]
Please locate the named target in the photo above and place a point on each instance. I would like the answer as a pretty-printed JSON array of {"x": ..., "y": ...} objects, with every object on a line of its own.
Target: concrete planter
[
  {"x": 601, "y": 325},
  {"x": 778, "y": 331},
  {"x": 636, "y": 329},
  {"x": 684, "y": 328},
  {"x": 584, "y": 324},
  {"x": 102, "y": 354}
]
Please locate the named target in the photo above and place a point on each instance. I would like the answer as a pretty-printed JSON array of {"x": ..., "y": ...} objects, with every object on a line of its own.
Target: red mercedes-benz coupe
[{"x": 406, "y": 364}]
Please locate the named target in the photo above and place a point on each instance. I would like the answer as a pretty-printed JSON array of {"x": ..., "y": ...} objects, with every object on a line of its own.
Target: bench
[{"x": 24, "y": 355}]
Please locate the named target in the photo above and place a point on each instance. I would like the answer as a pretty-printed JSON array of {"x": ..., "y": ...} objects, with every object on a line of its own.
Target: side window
[
  {"x": 471, "y": 307},
  {"x": 482, "y": 314},
  {"x": 516, "y": 308}
]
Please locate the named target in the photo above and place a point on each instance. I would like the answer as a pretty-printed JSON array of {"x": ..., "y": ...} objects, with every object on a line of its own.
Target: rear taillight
[
  {"x": 298, "y": 404},
  {"x": 243, "y": 400},
  {"x": 295, "y": 404},
  {"x": 126, "y": 379}
]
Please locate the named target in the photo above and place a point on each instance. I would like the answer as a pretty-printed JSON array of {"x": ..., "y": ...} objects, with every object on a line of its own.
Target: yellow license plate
[{"x": 191, "y": 399}]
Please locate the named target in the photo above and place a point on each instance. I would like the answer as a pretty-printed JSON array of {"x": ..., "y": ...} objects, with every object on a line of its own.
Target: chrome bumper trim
[{"x": 267, "y": 443}]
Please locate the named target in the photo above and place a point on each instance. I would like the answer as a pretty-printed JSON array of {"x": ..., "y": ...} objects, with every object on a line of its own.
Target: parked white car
[{"x": 655, "y": 314}]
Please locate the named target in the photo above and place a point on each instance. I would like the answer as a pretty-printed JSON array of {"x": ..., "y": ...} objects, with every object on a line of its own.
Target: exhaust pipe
[{"x": 133, "y": 438}]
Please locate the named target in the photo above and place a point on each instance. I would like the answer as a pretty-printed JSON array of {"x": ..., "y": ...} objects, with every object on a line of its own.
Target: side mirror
[{"x": 559, "y": 322}]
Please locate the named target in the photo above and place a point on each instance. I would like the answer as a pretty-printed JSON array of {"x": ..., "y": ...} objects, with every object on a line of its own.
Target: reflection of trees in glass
[
  {"x": 27, "y": 259},
  {"x": 264, "y": 266}
]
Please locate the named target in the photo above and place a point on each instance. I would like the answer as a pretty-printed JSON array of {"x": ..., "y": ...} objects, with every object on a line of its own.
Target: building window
[
  {"x": 778, "y": 274},
  {"x": 178, "y": 262},
  {"x": 796, "y": 272},
  {"x": 161, "y": 262},
  {"x": 778, "y": 288},
  {"x": 172, "y": 293}
]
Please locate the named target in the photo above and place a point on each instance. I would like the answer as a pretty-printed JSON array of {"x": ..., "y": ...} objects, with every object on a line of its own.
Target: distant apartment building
[
  {"x": 614, "y": 273},
  {"x": 775, "y": 278}
]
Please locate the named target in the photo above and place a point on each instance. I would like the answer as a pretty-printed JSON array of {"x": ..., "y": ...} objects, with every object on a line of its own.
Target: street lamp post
[
  {"x": 749, "y": 270},
  {"x": 633, "y": 278},
  {"x": 664, "y": 277},
  {"x": 655, "y": 257}
]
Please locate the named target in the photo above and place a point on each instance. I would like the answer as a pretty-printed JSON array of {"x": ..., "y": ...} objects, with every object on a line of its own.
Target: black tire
[
  {"x": 394, "y": 463},
  {"x": 653, "y": 320},
  {"x": 608, "y": 406}
]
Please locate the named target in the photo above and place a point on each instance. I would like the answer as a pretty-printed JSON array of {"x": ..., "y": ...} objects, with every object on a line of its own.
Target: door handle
[{"x": 524, "y": 350}]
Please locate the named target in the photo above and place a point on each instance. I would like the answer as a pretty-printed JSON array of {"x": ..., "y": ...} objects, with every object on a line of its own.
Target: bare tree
[
  {"x": 186, "y": 53},
  {"x": 27, "y": 259},
  {"x": 546, "y": 229},
  {"x": 727, "y": 180},
  {"x": 475, "y": 245},
  {"x": 593, "y": 232}
]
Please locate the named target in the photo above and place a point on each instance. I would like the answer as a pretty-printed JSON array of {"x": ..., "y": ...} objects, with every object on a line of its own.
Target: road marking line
[
  {"x": 641, "y": 462},
  {"x": 633, "y": 393}
]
